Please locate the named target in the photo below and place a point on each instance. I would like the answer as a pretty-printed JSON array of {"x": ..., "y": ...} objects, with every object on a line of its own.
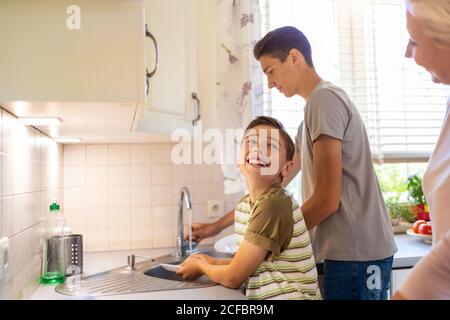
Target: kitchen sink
[
  {"x": 144, "y": 276},
  {"x": 160, "y": 272}
]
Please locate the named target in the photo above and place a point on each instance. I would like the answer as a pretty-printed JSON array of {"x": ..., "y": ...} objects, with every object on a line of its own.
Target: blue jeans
[{"x": 357, "y": 280}]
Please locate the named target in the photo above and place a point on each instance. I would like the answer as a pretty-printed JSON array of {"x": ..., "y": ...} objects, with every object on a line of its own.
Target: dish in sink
[
  {"x": 170, "y": 267},
  {"x": 226, "y": 244}
]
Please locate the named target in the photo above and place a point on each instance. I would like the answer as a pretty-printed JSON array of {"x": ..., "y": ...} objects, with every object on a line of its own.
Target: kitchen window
[{"x": 360, "y": 45}]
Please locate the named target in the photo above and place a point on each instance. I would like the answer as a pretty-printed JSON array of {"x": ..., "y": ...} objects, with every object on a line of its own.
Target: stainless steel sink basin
[
  {"x": 144, "y": 276},
  {"x": 159, "y": 272}
]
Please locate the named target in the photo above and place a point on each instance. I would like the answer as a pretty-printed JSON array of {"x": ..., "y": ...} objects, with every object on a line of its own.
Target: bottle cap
[{"x": 54, "y": 207}]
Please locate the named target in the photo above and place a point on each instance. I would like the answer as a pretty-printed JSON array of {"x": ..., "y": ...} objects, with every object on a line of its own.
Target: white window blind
[{"x": 360, "y": 46}]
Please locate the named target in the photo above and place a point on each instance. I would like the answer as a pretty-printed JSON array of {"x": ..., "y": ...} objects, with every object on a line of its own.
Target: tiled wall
[
  {"x": 31, "y": 176},
  {"x": 124, "y": 197}
]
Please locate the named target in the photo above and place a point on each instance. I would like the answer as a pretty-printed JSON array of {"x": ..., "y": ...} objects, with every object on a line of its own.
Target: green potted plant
[
  {"x": 399, "y": 211},
  {"x": 417, "y": 198}
]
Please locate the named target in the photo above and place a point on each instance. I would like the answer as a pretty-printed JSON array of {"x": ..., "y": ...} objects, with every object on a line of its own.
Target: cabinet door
[
  {"x": 398, "y": 277},
  {"x": 170, "y": 104},
  {"x": 72, "y": 51}
]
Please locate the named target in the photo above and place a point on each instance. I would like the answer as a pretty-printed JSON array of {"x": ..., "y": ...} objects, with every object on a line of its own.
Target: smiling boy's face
[{"x": 263, "y": 155}]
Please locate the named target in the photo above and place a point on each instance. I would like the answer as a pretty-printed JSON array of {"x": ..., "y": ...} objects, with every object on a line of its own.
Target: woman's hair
[
  {"x": 436, "y": 16},
  {"x": 274, "y": 123}
]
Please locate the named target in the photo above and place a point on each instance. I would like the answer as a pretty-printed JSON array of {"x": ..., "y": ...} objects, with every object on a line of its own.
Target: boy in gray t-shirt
[
  {"x": 342, "y": 203},
  {"x": 360, "y": 229}
]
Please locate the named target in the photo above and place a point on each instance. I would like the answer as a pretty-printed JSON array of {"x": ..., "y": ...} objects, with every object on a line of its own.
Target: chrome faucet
[{"x": 182, "y": 244}]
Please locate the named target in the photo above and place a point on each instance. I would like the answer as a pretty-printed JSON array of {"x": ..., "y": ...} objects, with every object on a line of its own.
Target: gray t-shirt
[{"x": 360, "y": 230}]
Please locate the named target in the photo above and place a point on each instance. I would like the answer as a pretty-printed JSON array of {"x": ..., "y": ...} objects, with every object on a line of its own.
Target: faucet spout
[
  {"x": 186, "y": 195},
  {"x": 182, "y": 244}
]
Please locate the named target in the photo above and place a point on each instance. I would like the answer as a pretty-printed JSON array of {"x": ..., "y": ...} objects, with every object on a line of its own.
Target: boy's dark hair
[
  {"x": 277, "y": 44},
  {"x": 274, "y": 123}
]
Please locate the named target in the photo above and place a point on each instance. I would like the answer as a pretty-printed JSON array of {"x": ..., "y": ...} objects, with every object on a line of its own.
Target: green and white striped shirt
[{"x": 276, "y": 223}]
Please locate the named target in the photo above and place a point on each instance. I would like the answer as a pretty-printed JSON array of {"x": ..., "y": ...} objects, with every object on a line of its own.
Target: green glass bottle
[{"x": 53, "y": 258}]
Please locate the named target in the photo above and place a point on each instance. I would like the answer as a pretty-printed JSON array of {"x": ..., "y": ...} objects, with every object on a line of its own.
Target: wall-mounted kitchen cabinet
[
  {"x": 81, "y": 60},
  {"x": 172, "y": 101},
  {"x": 88, "y": 61}
]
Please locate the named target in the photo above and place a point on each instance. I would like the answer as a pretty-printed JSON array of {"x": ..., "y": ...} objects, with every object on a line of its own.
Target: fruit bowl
[{"x": 428, "y": 238}]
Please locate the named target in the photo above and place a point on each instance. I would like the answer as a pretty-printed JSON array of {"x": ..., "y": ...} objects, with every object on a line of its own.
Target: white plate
[
  {"x": 226, "y": 244},
  {"x": 428, "y": 238},
  {"x": 169, "y": 267}
]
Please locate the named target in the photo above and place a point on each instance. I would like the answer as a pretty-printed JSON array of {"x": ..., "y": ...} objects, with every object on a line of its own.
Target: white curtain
[{"x": 240, "y": 78}]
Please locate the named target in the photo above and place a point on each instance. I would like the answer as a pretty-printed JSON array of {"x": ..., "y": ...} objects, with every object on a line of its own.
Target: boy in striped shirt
[{"x": 274, "y": 256}]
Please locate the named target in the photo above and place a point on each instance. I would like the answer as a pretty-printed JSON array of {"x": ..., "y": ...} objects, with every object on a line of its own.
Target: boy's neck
[
  {"x": 312, "y": 81},
  {"x": 257, "y": 189}
]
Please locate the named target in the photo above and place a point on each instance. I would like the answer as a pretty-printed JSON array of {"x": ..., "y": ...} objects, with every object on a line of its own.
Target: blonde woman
[{"x": 428, "y": 23}]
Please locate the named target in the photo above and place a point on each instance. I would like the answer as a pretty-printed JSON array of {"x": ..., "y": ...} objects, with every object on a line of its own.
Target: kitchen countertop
[{"x": 410, "y": 250}]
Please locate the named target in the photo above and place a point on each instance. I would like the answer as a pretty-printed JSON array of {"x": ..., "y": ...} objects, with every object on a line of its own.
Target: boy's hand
[
  {"x": 204, "y": 257},
  {"x": 201, "y": 231},
  {"x": 190, "y": 268}
]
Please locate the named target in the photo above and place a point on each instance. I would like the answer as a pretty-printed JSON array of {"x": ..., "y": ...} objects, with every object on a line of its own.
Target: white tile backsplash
[
  {"x": 118, "y": 154},
  {"x": 6, "y": 217},
  {"x": 96, "y": 240},
  {"x": 96, "y": 155},
  {"x": 163, "y": 237},
  {"x": 132, "y": 193},
  {"x": 119, "y": 175},
  {"x": 74, "y": 176},
  {"x": 74, "y": 154},
  {"x": 75, "y": 218},
  {"x": 119, "y": 218},
  {"x": 96, "y": 176},
  {"x": 141, "y": 217},
  {"x": 182, "y": 174},
  {"x": 161, "y": 174},
  {"x": 140, "y": 196},
  {"x": 74, "y": 197},
  {"x": 161, "y": 154},
  {"x": 140, "y": 175},
  {"x": 119, "y": 196},
  {"x": 27, "y": 280},
  {"x": 141, "y": 154},
  {"x": 7, "y": 175},
  {"x": 26, "y": 175},
  {"x": 120, "y": 239},
  {"x": 9, "y": 123},
  {"x": 26, "y": 211},
  {"x": 50, "y": 175},
  {"x": 141, "y": 238},
  {"x": 31, "y": 177},
  {"x": 162, "y": 195},
  {"x": 97, "y": 219},
  {"x": 96, "y": 197},
  {"x": 162, "y": 216}
]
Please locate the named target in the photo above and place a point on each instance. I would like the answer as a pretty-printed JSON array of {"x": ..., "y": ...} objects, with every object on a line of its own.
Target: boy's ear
[
  {"x": 296, "y": 57},
  {"x": 287, "y": 169}
]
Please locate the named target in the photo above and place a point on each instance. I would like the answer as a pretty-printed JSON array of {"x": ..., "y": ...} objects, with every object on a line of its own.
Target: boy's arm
[
  {"x": 327, "y": 166},
  {"x": 212, "y": 260},
  {"x": 201, "y": 231},
  {"x": 247, "y": 259}
]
